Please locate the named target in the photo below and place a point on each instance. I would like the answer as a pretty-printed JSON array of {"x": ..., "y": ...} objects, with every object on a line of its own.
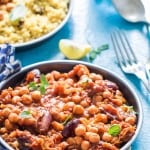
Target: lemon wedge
[{"x": 73, "y": 50}]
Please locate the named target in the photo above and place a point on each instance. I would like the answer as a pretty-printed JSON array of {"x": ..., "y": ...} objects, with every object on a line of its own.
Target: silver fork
[{"x": 126, "y": 57}]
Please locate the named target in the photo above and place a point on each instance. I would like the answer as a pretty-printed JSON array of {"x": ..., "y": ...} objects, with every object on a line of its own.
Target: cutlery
[
  {"x": 126, "y": 57},
  {"x": 135, "y": 11}
]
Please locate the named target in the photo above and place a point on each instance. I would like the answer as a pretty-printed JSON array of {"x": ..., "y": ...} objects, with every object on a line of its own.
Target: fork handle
[
  {"x": 142, "y": 76},
  {"x": 146, "y": 85},
  {"x": 148, "y": 61}
]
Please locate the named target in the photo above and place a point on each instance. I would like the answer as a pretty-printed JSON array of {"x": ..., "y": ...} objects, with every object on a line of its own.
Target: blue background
[{"x": 93, "y": 21}]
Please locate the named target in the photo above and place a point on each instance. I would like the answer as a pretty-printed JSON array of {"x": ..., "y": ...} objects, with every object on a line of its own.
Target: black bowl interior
[{"x": 65, "y": 66}]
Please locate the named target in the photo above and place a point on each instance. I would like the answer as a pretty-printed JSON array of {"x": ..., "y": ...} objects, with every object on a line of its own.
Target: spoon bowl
[{"x": 132, "y": 10}]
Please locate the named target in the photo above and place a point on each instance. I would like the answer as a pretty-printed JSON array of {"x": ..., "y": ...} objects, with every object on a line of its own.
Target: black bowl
[{"x": 65, "y": 66}]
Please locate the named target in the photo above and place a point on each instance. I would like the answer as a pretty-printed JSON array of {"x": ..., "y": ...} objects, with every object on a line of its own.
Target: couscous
[{"x": 25, "y": 20}]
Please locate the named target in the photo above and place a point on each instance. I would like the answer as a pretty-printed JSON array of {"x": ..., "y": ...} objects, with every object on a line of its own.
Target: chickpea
[
  {"x": 85, "y": 145},
  {"x": 8, "y": 125},
  {"x": 63, "y": 145},
  {"x": 93, "y": 110},
  {"x": 76, "y": 99},
  {"x": 78, "y": 140},
  {"x": 6, "y": 111},
  {"x": 55, "y": 112},
  {"x": 15, "y": 93},
  {"x": 80, "y": 130},
  {"x": 84, "y": 103},
  {"x": 7, "y": 98},
  {"x": 95, "y": 76},
  {"x": 69, "y": 81},
  {"x": 131, "y": 120},
  {"x": 97, "y": 98},
  {"x": 119, "y": 93},
  {"x": 26, "y": 99},
  {"x": 27, "y": 121},
  {"x": 13, "y": 118},
  {"x": 101, "y": 128},
  {"x": 71, "y": 141},
  {"x": 57, "y": 126},
  {"x": 3, "y": 130},
  {"x": 62, "y": 116},
  {"x": 66, "y": 99},
  {"x": 78, "y": 109},
  {"x": 92, "y": 129},
  {"x": 13, "y": 134},
  {"x": 92, "y": 137},
  {"x": 23, "y": 90},
  {"x": 49, "y": 77},
  {"x": 16, "y": 111},
  {"x": 117, "y": 101},
  {"x": 36, "y": 96},
  {"x": 84, "y": 121},
  {"x": 68, "y": 106},
  {"x": 101, "y": 118},
  {"x": 106, "y": 137},
  {"x": 4, "y": 92},
  {"x": 107, "y": 94},
  {"x": 120, "y": 98},
  {"x": 56, "y": 74},
  {"x": 16, "y": 99}
]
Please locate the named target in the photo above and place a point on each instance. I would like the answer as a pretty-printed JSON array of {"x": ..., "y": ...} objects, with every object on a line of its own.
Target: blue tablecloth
[{"x": 93, "y": 20}]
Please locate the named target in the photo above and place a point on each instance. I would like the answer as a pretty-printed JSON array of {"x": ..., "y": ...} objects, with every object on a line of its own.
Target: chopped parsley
[
  {"x": 39, "y": 86},
  {"x": 114, "y": 130},
  {"x": 25, "y": 114},
  {"x": 94, "y": 52},
  {"x": 69, "y": 117}
]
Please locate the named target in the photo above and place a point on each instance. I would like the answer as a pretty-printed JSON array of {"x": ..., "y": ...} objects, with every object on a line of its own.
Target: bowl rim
[
  {"x": 49, "y": 34},
  {"x": 74, "y": 62}
]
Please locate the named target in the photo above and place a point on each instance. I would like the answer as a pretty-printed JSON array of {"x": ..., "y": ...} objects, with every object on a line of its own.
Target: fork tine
[
  {"x": 121, "y": 43},
  {"x": 129, "y": 51},
  {"x": 115, "y": 48},
  {"x": 118, "y": 50}
]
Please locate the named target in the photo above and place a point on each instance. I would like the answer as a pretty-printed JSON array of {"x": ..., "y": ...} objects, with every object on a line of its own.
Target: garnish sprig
[
  {"x": 39, "y": 86},
  {"x": 114, "y": 129},
  {"x": 96, "y": 51}
]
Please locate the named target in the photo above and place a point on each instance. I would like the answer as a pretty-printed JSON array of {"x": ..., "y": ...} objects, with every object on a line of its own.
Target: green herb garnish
[
  {"x": 17, "y": 14},
  {"x": 114, "y": 130},
  {"x": 94, "y": 52},
  {"x": 39, "y": 86},
  {"x": 33, "y": 86},
  {"x": 25, "y": 114},
  {"x": 44, "y": 81},
  {"x": 67, "y": 119},
  {"x": 44, "y": 84},
  {"x": 92, "y": 55}
]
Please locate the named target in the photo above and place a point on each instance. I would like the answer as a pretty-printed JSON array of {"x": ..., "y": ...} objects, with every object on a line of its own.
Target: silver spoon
[{"x": 135, "y": 11}]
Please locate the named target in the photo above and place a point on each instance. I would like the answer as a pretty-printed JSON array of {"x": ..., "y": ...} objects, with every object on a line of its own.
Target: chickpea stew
[
  {"x": 25, "y": 20},
  {"x": 75, "y": 110}
]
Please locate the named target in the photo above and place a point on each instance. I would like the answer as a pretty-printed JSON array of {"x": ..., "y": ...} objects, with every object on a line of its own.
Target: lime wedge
[{"x": 72, "y": 50}]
